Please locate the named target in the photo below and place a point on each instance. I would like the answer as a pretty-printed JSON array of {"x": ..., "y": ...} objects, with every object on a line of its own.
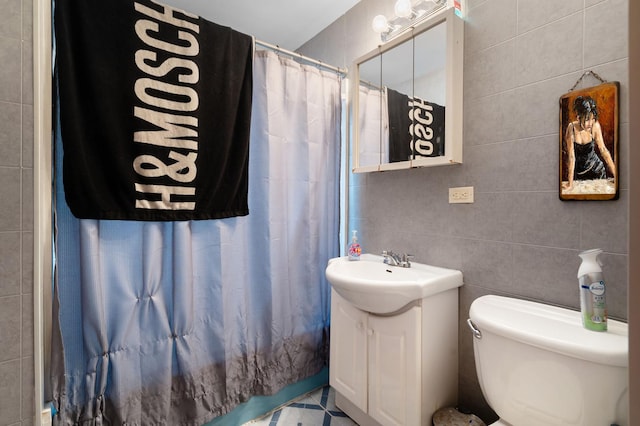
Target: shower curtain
[{"x": 176, "y": 323}]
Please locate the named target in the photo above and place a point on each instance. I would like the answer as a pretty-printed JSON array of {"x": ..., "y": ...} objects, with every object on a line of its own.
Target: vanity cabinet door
[
  {"x": 395, "y": 368},
  {"x": 348, "y": 351}
]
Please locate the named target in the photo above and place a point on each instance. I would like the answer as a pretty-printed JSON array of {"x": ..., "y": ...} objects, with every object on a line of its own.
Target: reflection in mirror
[
  {"x": 397, "y": 81},
  {"x": 373, "y": 133},
  {"x": 429, "y": 102}
]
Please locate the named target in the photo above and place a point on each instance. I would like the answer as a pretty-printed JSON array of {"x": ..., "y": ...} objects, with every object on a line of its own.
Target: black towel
[
  {"x": 416, "y": 127},
  {"x": 155, "y": 109}
]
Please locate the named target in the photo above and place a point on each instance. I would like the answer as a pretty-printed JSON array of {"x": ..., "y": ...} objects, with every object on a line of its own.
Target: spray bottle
[
  {"x": 593, "y": 303},
  {"x": 354, "y": 249}
]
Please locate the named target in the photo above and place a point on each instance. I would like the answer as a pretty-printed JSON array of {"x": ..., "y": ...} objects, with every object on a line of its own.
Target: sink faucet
[{"x": 396, "y": 259}]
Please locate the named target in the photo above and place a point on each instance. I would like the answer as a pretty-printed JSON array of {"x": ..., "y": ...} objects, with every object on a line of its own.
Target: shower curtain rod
[{"x": 341, "y": 71}]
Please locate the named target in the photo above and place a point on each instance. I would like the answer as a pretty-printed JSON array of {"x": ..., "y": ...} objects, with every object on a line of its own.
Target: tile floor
[{"x": 317, "y": 408}]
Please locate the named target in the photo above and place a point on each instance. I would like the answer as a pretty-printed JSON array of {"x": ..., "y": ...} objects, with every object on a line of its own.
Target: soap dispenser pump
[{"x": 354, "y": 249}]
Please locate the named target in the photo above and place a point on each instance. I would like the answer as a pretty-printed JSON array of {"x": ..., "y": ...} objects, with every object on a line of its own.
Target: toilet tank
[{"x": 537, "y": 365}]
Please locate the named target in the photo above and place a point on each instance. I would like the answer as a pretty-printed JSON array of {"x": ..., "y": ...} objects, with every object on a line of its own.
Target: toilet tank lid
[{"x": 551, "y": 328}]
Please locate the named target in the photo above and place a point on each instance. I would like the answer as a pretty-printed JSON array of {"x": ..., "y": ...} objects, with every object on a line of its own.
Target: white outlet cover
[{"x": 459, "y": 195}]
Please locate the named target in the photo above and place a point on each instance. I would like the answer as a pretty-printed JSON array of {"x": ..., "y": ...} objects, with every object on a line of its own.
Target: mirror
[{"x": 407, "y": 99}]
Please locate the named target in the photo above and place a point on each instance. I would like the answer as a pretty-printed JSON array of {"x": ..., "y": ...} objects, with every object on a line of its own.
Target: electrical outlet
[{"x": 463, "y": 194}]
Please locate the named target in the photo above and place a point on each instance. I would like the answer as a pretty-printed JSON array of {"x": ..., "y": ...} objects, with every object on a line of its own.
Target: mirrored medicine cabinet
[{"x": 407, "y": 98}]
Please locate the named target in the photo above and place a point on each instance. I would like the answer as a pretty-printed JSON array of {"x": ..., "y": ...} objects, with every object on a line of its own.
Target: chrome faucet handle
[
  {"x": 389, "y": 257},
  {"x": 405, "y": 260}
]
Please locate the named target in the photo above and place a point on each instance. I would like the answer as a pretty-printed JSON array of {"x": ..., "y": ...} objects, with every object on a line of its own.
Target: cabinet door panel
[
  {"x": 348, "y": 351},
  {"x": 394, "y": 368}
]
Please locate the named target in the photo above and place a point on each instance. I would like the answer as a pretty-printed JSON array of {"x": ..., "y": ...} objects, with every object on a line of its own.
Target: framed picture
[{"x": 589, "y": 143}]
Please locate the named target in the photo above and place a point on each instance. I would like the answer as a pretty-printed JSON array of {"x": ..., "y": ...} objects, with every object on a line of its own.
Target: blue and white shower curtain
[{"x": 176, "y": 323}]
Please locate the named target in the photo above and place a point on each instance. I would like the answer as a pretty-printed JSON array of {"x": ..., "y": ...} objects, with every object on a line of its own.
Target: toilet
[{"x": 537, "y": 365}]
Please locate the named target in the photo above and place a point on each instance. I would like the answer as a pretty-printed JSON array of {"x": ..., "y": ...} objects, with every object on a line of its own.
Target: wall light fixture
[{"x": 408, "y": 13}]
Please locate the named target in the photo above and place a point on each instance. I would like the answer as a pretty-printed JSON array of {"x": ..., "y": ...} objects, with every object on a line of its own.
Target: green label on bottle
[{"x": 593, "y": 302}]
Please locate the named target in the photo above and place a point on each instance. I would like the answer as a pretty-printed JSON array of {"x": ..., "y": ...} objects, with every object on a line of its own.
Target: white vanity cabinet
[
  {"x": 388, "y": 369},
  {"x": 394, "y": 368},
  {"x": 348, "y": 351}
]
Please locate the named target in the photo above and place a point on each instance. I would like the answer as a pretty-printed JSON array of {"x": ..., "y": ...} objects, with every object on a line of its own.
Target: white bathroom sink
[{"x": 373, "y": 286}]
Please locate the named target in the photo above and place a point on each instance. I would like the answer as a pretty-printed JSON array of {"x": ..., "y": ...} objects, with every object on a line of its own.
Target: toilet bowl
[{"x": 537, "y": 365}]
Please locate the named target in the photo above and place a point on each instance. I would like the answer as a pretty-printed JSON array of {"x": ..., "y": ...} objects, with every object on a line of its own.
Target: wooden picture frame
[{"x": 589, "y": 131}]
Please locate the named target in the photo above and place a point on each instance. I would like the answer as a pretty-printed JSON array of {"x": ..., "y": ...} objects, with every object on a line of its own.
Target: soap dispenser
[{"x": 354, "y": 249}]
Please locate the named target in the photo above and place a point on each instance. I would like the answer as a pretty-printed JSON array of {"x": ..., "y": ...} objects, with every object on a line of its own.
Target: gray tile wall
[
  {"x": 16, "y": 216},
  {"x": 518, "y": 238}
]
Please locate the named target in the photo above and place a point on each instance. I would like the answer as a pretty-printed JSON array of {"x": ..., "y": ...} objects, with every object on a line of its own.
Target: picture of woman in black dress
[{"x": 590, "y": 166}]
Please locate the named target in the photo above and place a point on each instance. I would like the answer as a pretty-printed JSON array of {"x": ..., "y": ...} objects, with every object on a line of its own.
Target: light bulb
[
  {"x": 403, "y": 8},
  {"x": 380, "y": 24}
]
